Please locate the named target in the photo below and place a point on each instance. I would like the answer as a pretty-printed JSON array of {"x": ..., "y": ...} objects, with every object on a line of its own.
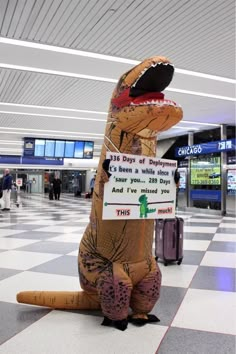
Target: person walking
[
  {"x": 177, "y": 183},
  {"x": 6, "y": 189},
  {"x": 92, "y": 183},
  {"x": 57, "y": 187}
]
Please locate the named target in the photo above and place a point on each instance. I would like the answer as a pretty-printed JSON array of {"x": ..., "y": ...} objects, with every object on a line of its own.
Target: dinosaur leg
[
  {"x": 144, "y": 296},
  {"x": 79, "y": 300},
  {"x": 114, "y": 289}
]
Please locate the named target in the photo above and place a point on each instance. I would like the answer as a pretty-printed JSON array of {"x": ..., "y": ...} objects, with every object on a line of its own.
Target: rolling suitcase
[
  {"x": 50, "y": 196},
  {"x": 169, "y": 240}
]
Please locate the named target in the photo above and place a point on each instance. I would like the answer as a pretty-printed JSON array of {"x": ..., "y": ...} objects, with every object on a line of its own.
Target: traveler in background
[
  {"x": 92, "y": 183},
  {"x": 6, "y": 189},
  {"x": 1, "y": 180},
  {"x": 57, "y": 187},
  {"x": 177, "y": 183},
  {"x": 24, "y": 186}
]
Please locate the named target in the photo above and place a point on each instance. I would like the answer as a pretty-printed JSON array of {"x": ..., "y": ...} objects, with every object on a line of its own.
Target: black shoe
[
  {"x": 143, "y": 321},
  {"x": 4, "y": 209},
  {"x": 121, "y": 325}
]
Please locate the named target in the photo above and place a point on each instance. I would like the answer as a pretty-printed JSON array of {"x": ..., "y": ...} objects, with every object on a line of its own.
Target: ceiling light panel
[
  {"x": 48, "y": 90},
  {"x": 37, "y": 123},
  {"x": 47, "y": 109},
  {"x": 54, "y": 116},
  {"x": 195, "y": 27}
]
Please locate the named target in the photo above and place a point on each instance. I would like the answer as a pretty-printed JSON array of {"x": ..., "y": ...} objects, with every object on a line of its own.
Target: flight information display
[
  {"x": 62, "y": 148},
  {"x": 49, "y": 148},
  {"x": 59, "y": 148},
  {"x": 88, "y": 150},
  {"x": 69, "y": 149},
  {"x": 39, "y": 148},
  {"x": 79, "y": 149}
]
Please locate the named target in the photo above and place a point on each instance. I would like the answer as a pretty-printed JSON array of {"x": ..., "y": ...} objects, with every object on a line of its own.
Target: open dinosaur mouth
[
  {"x": 146, "y": 90},
  {"x": 153, "y": 79},
  {"x": 150, "y": 98}
]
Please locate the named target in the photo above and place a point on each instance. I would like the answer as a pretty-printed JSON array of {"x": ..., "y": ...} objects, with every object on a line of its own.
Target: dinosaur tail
[{"x": 71, "y": 300}]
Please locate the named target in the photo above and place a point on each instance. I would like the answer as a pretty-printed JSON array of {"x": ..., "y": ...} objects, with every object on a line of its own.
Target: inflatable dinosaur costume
[{"x": 116, "y": 267}]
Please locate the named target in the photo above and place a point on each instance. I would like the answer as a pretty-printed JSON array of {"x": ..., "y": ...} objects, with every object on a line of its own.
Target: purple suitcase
[{"x": 169, "y": 240}]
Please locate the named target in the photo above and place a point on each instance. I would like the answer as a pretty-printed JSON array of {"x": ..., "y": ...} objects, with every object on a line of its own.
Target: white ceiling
[{"x": 48, "y": 91}]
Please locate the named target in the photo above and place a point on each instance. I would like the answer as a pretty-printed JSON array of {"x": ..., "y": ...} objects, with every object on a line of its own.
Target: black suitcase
[
  {"x": 78, "y": 193},
  {"x": 169, "y": 240},
  {"x": 50, "y": 195}
]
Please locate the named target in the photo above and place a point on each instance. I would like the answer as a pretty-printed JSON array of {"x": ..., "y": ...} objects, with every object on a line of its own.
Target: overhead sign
[
  {"x": 207, "y": 148},
  {"x": 41, "y": 161},
  {"x": 140, "y": 187},
  {"x": 57, "y": 148},
  {"x": 207, "y": 195},
  {"x": 22, "y": 160},
  {"x": 29, "y": 146}
]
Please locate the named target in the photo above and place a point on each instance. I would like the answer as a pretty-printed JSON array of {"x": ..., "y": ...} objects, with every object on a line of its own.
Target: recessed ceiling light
[
  {"x": 84, "y": 111},
  {"x": 104, "y": 79},
  {"x": 184, "y": 128},
  {"x": 10, "y": 142},
  {"x": 10, "y": 149},
  {"x": 65, "y": 135},
  {"x": 67, "y": 51},
  {"x": 52, "y": 116},
  {"x": 50, "y": 107},
  {"x": 104, "y": 57},
  {"x": 47, "y": 131},
  {"x": 205, "y": 76},
  {"x": 200, "y": 123},
  {"x": 56, "y": 72},
  {"x": 196, "y": 93}
]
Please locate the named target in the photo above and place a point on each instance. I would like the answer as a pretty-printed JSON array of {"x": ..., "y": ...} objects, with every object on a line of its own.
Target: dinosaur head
[{"x": 138, "y": 105}]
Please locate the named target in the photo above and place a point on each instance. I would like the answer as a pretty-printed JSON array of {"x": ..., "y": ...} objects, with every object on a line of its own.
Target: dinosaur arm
[{"x": 105, "y": 167}]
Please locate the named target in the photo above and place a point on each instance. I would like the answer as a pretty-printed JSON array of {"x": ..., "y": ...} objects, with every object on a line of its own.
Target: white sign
[
  {"x": 140, "y": 187},
  {"x": 19, "y": 182}
]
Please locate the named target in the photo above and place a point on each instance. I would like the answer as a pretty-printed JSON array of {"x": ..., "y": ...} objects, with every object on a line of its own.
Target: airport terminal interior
[{"x": 60, "y": 61}]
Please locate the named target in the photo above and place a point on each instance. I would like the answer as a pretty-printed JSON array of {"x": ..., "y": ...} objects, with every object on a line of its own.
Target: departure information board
[
  {"x": 39, "y": 148},
  {"x": 56, "y": 148},
  {"x": 49, "y": 148},
  {"x": 59, "y": 148}
]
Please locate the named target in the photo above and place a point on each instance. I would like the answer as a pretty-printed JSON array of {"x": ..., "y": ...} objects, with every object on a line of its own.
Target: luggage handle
[
  {"x": 177, "y": 237},
  {"x": 161, "y": 234},
  {"x": 174, "y": 237}
]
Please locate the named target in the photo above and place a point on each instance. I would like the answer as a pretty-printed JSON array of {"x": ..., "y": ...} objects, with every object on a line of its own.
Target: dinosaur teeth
[
  {"x": 141, "y": 74},
  {"x": 160, "y": 63},
  {"x": 155, "y": 102}
]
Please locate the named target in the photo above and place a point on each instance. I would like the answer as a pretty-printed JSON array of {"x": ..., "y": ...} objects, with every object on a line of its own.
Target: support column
[
  {"x": 223, "y": 155},
  {"x": 190, "y": 142}
]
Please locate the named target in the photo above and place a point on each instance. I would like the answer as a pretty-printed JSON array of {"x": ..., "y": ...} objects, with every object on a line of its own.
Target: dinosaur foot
[
  {"x": 121, "y": 324},
  {"x": 141, "y": 321}
]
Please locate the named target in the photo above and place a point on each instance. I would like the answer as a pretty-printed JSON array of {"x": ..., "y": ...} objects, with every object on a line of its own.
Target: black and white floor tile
[{"x": 38, "y": 250}]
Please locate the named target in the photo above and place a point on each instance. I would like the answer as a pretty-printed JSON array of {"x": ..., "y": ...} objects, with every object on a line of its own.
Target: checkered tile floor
[{"x": 38, "y": 250}]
